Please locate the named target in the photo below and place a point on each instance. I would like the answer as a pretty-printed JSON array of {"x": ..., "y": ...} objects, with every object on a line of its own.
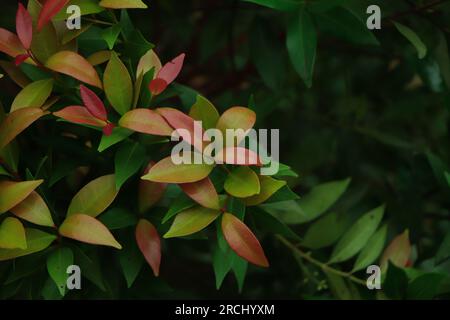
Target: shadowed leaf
[{"x": 149, "y": 243}]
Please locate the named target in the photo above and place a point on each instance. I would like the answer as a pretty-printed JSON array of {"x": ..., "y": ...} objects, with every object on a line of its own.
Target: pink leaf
[
  {"x": 202, "y": 192},
  {"x": 49, "y": 10},
  {"x": 149, "y": 243},
  {"x": 93, "y": 103},
  {"x": 24, "y": 26},
  {"x": 238, "y": 156},
  {"x": 170, "y": 70},
  {"x": 79, "y": 114}
]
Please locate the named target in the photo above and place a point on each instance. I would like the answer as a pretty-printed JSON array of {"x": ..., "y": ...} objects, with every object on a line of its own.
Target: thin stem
[
  {"x": 321, "y": 265},
  {"x": 99, "y": 21}
]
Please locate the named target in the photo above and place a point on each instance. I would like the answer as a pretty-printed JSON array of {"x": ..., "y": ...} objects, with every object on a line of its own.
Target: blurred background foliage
[{"x": 375, "y": 112}]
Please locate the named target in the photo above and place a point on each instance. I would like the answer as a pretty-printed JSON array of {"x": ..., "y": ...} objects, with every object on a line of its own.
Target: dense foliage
[{"x": 86, "y": 177}]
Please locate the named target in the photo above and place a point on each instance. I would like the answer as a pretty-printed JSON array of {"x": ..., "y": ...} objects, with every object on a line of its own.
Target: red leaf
[
  {"x": 49, "y": 10},
  {"x": 24, "y": 26},
  {"x": 149, "y": 243},
  {"x": 170, "y": 70},
  {"x": 108, "y": 129},
  {"x": 93, "y": 103},
  {"x": 242, "y": 240},
  {"x": 157, "y": 86},
  {"x": 202, "y": 192},
  {"x": 79, "y": 114},
  {"x": 20, "y": 59},
  {"x": 10, "y": 43}
]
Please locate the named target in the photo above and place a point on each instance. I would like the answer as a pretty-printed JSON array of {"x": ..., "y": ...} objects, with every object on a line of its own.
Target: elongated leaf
[
  {"x": 372, "y": 250},
  {"x": 94, "y": 197},
  {"x": 12, "y": 234},
  {"x": 326, "y": 230},
  {"x": 15, "y": 73},
  {"x": 149, "y": 194},
  {"x": 321, "y": 198},
  {"x": 99, "y": 57},
  {"x": 242, "y": 240},
  {"x": 145, "y": 121},
  {"x": 12, "y": 193},
  {"x": 425, "y": 287},
  {"x": 33, "y": 95},
  {"x": 87, "y": 229},
  {"x": 49, "y": 10},
  {"x": 79, "y": 114},
  {"x": 237, "y": 156},
  {"x": 24, "y": 26},
  {"x": 179, "y": 120},
  {"x": 413, "y": 38},
  {"x": 203, "y": 110},
  {"x": 203, "y": 192},
  {"x": 118, "y": 218},
  {"x": 118, "y": 85},
  {"x": 93, "y": 103},
  {"x": 443, "y": 252},
  {"x": 191, "y": 221},
  {"x": 34, "y": 209},
  {"x": 268, "y": 187},
  {"x": 36, "y": 241},
  {"x": 16, "y": 122},
  {"x": 242, "y": 182},
  {"x": 74, "y": 65},
  {"x": 149, "y": 243},
  {"x": 357, "y": 235},
  {"x": 168, "y": 172},
  {"x": 397, "y": 252},
  {"x": 171, "y": 69},
  {"x": 236, "y": 118},
  {"x": 118, "y": 134},
  {"x": 86, "y": 7},
  {"x": 147, "y": 62},
  {"x": 301, "y": 42},
  {"x": 123, "y": 4},
  {"x": 283, "y": 5},
  {"x": 10, "y": 43},
  {"x": 181, "y": 203},
  {"x": 57, "y": 264},
  {"x": 129, "y": 158}
]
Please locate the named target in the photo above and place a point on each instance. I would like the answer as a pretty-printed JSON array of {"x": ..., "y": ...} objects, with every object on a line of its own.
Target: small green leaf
[
  {"x": 118, "y": 85},
  {"x": 301, "y": 42},
  {"x": 117, "y": 218},
  {"x": 203, "y": 110},
  {"x": 129, "y": 158},
  {"x": 118, "y": 134},
  {"x": 57, "y": 264},
  {"x": 182, "y": 202},
  {"x": 372, "y": 250},
  {"x": 357, "y": 235},
  {"x": 413, "y": 38},
  {"x": 36, "y": 241},
  {"x": 191, "y": 221},
  {"x": 12, "y": 234},
  {"x": 33, "y": 95},
  {"x": 111, "y": 34},
  {"x": 242, "y": 182},
  {"x": 425, "y": 287},
  {"x": 130, "y": 259}
]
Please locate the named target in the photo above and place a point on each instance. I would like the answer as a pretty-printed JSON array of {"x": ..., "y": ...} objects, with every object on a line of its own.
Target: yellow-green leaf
[
  {"x": 74, "y": 65},
  {"x": 237, "y": 118},
  {"x": 16, "y": 122},
  {"x": 87, "y": 229},
  {"x": 123, "y": 4},
  {"x": 37, "y": 240},
  {"x": 94, "y": 197},
  {"x": 35, "y": 210},
  {"x": 242, "y": 182},
  {"x": 147, "y": 62},
  {"x": 168, "y": 172},
  {"x": 12, "y": 234},
  {"x": 268, "y": 186},
  {"x": 413, "y": 38},
  {"x": 12, "y": 193},
  {"x": 33, "y": 95},
  {"x": 191, "y": 221},
  {"x": 118, "y": 85},
  {"x": 203, "y": 110}
]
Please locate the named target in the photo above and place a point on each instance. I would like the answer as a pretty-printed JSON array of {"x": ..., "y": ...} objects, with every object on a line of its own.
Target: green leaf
[
  {"x": 136, "y": 45},
  {"x": 117, "y": 218},
  {"x": 357, "y": 236},
  {"x": 57, "y": 264},
  {"x": 111, "y": 34},
  {"x": 130, "y": 259},
  {"x": 301, "y": 42},
  {"x": 118, "y": 134},
  {"x": 447, "y": 177},
  {"x": 425, "y": 287},
  {"x": 191, "y": 221},
  {"x": 182, "y": 202},
  {"x": 33, "y": 95},
  {"x": 94, "y": 197},
  {"x": 203, "y": 110},
  {"x": 372, "y": 250},
  {"x": 86, "y": 7},
  {"x": 321, "y": 198},
  {"x": 283, "y": 5},
  {"x": 129, "y": 158},
  {"x": 36, "y": 241},
  {"x": 123, "y": 4},
  {"x": 118, "y": 85},
  {"x": 413, "y": 38},
  {"x": 395, "y": 283},
  {"x": 326, "y": 231},
  {"x": 12, "y": 234},
  {"x": 90, "y": 265},
  {"x": 271, "y": 224},
  {"x": 443, "y": 252},
  {"x": 242, "y": 182}
]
